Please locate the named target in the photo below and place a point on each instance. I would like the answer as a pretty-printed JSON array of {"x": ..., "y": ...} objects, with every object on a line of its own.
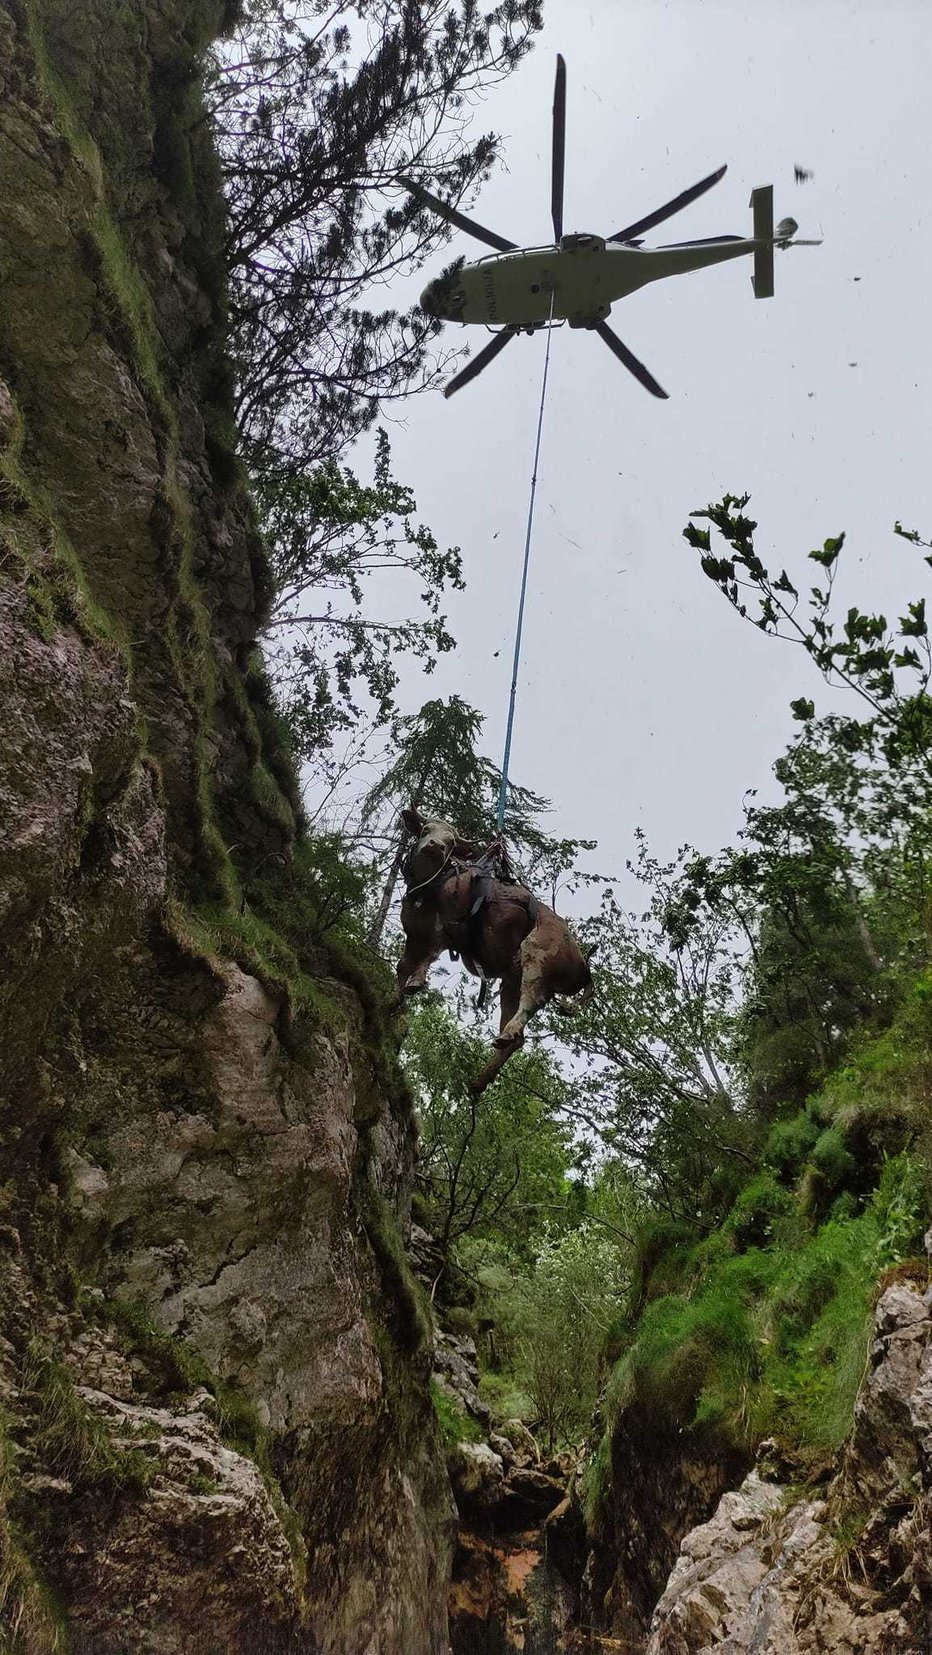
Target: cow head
[{"x": 436, "y": 844}]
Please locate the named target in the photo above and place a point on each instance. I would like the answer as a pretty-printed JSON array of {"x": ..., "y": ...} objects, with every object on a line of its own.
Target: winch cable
[{"x": 503, "y": 789}]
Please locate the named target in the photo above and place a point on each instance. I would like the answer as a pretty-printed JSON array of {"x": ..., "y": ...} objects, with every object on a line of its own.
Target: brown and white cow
[{"x": 499, "y": 929}]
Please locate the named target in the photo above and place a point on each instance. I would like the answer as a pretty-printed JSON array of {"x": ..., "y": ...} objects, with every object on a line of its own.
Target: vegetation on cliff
[{"x": 198, "y": 1061}]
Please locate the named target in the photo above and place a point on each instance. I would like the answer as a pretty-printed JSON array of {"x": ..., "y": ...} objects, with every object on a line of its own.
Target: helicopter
[{"x": 579, "y": 277}]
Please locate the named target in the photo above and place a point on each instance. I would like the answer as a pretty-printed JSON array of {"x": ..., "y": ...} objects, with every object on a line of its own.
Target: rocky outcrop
[
  {"x": 846, "y": 1570},
  {"x": 456, "y": 1372},
  {"x": 659, "y": 1487},
  {"x": 499, "y": 1483},
  {"x": 205, "y": 1147}
]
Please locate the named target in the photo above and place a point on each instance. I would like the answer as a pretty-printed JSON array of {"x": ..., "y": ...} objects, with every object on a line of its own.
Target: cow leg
[
  {"x": 413, "y": 968},
  {"x": 509, "y": 996},
  {"x": 510, "y": 1000},
  {"x": 533, "y": 992}
]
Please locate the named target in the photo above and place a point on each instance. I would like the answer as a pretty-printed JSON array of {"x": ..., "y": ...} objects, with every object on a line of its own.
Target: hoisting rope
[{"x": 503, "y": 789}]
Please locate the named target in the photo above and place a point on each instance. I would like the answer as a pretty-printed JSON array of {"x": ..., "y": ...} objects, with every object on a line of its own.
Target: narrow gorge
[{"x": 237, "y": 1413}]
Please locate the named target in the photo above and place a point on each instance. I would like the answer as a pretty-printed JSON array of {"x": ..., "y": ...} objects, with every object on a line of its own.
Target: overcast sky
[{"x": 643, "y": 700}]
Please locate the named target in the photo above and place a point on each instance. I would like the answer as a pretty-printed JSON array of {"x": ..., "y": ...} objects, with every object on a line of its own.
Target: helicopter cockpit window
[{"x": 582, "y": 241}]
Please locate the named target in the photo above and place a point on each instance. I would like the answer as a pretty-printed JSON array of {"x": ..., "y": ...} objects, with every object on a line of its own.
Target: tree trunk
[
  {"x": 860, "y": 920},
  {"x": 385, "y": 902}
]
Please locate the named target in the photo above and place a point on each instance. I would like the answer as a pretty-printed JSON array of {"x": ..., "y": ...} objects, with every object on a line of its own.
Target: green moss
[
  {"x": 272, "y": 732},
  {"x": 222, "y": 933},
  {"x": 455, "y": 1425},
  {"x": 129, "y": 302},
  {"x": 271, "y": 800},
  {"x": 773, "y": 1339},
  {"x": 597, "y": 1482},
  {"x": 30, "y": 1615},
  {"x": 35, "y": 550},
  {"x": 406, "y": 1301},
  {"x": 129, "y": 317},
  {"x": 199, "y": 1484},
  {"x": 69, "y": 1439},
  {"x": 176, "y": 1369}
]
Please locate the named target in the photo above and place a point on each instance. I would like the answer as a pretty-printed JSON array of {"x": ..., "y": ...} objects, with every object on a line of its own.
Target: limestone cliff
[
  {"x": 845, "y": 1566},
  {"x": 214, "y": 1361}
]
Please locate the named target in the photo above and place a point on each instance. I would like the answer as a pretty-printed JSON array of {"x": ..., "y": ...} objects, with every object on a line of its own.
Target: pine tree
[
  {"x": 439, "y": 770},
  {"x": 318, "y": 110}
]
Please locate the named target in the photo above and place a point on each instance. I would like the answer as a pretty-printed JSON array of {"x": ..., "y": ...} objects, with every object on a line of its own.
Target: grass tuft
[
  {"x": 455, "y": 1425},
  {"x": 72, "y": 1441}
]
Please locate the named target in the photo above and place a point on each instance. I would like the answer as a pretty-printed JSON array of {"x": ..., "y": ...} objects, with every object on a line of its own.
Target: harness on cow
[{"x": 488, "y": 873}]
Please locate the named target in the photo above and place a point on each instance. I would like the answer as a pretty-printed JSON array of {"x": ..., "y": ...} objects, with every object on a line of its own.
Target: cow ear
[
  {"x": 411, "y": 820},
  {"x": 464, "y": 850}
]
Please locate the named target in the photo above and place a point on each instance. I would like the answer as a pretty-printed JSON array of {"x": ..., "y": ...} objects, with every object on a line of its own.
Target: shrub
[
  {"x": 901, "y": 1207},
  {"x": 454, "y": 1423},
  {"x": 695, "y": 1357},
  {"x": 789, "y": 1144},
  {"x": 29, "y": 1612},
  {"x": 832, "y": 1157},
  {"x": 505, "y": 1397},
  {"x": 775, "y": 1338},
  {"x": 758, "y": 1209},
  {"x": 663, "y": 1250}
]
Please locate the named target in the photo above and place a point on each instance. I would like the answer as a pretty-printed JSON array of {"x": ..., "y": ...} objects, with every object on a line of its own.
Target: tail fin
[{"x": 762, "y": 206}]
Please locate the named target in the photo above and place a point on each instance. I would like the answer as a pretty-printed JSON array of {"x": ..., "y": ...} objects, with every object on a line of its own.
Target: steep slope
[
  {"x": 214, "y": 1360},
  {"x": 843, "y": 1566},
  {"x": 762, "y": 1481}
]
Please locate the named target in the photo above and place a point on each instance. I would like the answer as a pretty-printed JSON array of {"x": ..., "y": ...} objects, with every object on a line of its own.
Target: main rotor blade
[
  {"x": 629, "y": 359},
  {"x": 670, "y": 207},
  {"x": 559, "y": 149},
  {"x": 476, "y": 363},
  {"x": 461, "y": 222}
]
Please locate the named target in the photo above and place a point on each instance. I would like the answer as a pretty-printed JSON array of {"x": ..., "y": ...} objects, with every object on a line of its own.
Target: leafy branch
[{"x": 863, "y": 652}]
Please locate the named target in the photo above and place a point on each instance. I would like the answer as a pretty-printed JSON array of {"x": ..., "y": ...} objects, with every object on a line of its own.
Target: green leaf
[
  {"x": 828, "y": 553},
  {"x": 914, "y": 624},
  {"x": 700, "y": 538}
]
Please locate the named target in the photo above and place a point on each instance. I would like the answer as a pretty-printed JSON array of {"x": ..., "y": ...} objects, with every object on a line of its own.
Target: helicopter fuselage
[{"x": 576, "y": 282}]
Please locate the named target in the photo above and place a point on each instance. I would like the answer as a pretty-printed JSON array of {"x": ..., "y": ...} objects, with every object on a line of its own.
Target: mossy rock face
[
  {"x": 184, "y": 1099},
  {"x": 162, "y": 1509},
  {"x": 82, "y": 860},
  {"x": 113, "y": 449}
]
